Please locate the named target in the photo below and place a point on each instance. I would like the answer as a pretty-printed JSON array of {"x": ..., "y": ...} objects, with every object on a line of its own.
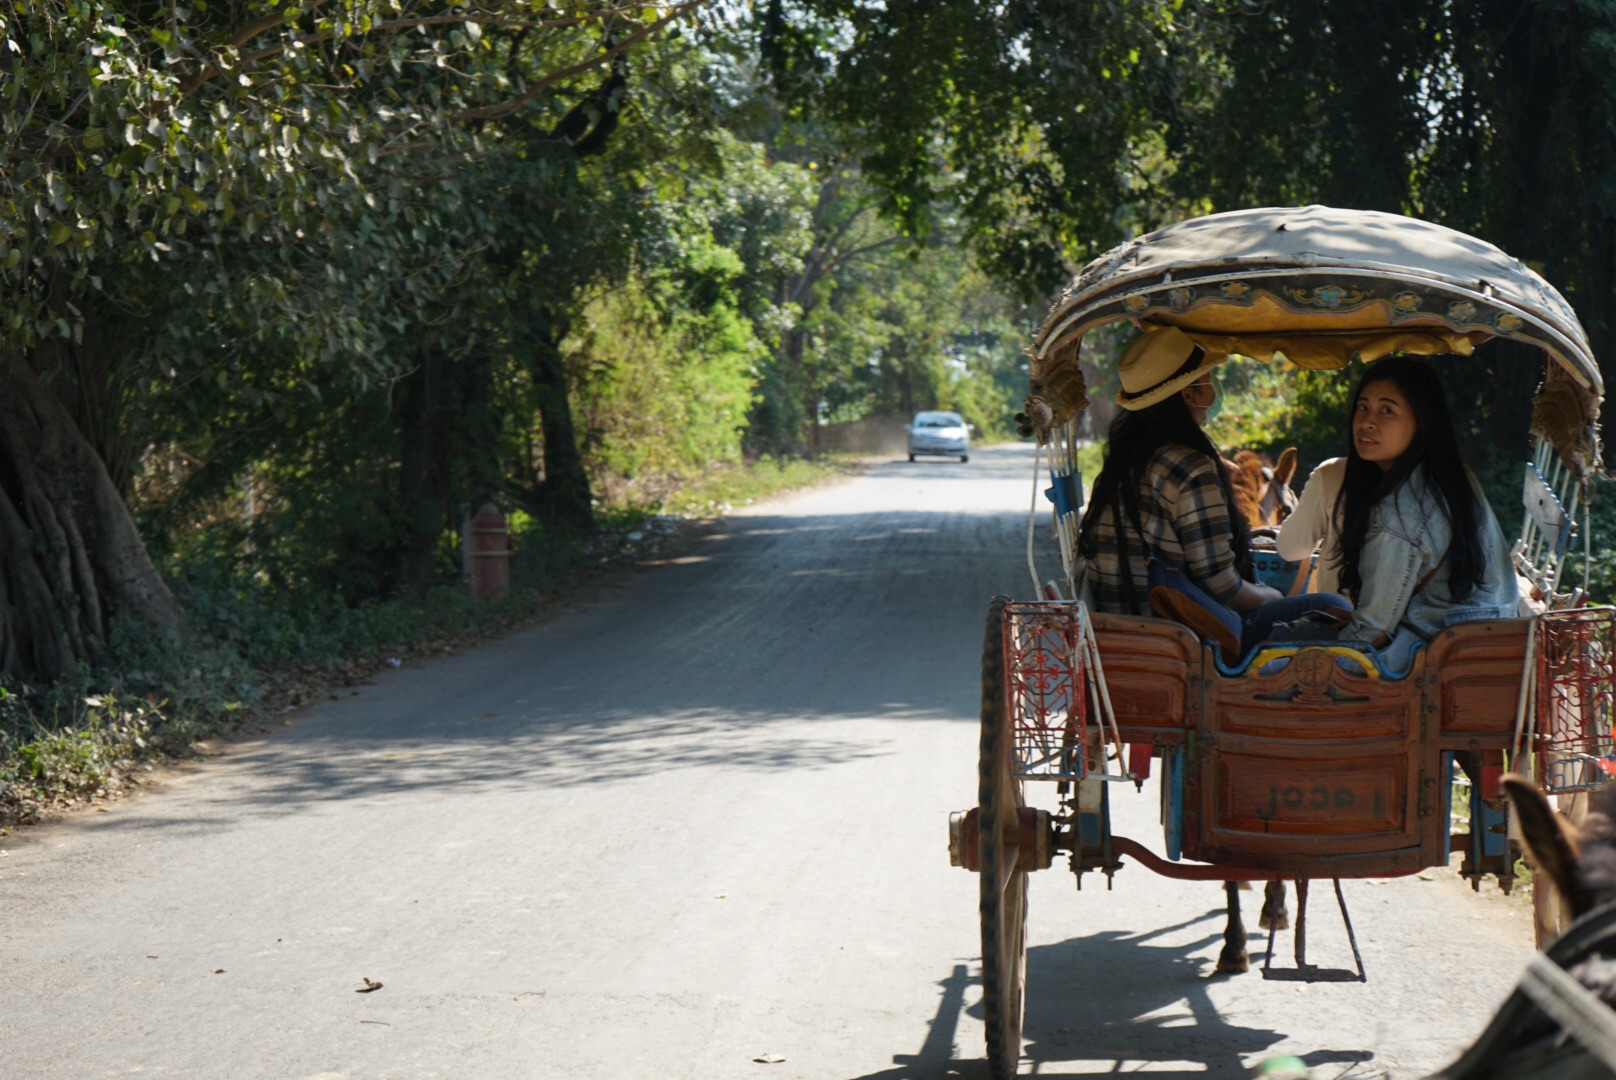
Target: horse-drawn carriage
[{"x": 1299, "y": 760}]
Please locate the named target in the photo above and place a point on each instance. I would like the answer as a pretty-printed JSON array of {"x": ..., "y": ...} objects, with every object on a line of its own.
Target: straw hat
[{"x": 1160, "y": 363}]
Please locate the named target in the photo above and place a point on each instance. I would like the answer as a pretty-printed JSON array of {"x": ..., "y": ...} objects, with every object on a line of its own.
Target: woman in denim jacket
[{"x": 1417, "y": 547}]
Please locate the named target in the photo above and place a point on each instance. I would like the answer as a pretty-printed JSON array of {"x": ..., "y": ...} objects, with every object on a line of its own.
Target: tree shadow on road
[{"x": 770, "y": 652}]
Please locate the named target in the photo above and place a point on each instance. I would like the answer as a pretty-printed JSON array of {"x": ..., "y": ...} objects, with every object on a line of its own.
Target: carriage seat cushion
[{"x": 1174, "y": 596}]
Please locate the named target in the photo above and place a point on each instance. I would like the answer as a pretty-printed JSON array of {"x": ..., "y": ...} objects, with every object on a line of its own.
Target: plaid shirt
[{"x": 1185, "y": 519}]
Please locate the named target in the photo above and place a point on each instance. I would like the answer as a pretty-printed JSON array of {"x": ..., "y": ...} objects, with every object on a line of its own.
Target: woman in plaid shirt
[{"x": 1163, "y": 496}]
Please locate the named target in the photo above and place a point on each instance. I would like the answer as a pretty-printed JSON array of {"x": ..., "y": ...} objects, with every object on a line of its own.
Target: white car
[{"x": 944, "y": 433}]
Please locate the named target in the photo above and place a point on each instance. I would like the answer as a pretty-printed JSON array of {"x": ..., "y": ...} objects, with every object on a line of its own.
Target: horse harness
[{"x": 1548, "y": 990}]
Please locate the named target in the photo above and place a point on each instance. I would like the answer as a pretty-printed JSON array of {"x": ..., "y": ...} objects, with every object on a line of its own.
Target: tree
[
  {"x": 1496, "y": 118},
  {"x": 190, "y": 193},
  {"x": 1058, "y": 130},
  {"x": 1035, "y": 118}
]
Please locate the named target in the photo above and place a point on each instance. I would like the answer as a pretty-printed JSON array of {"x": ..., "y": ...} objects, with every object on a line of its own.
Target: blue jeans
[{"x": 1258, "y": 625}]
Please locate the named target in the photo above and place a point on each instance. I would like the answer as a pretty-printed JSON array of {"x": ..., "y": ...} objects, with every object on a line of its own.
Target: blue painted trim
[
  {"x": 1369, "y": 651},
  {"x": 1173, "y": 787},
  {"x": 1067, "y": 494},
  {"x": 1492, "y": 843}
]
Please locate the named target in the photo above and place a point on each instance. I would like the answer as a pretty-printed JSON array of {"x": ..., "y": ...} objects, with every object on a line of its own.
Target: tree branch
[
  {"x": 494, "y": 112},
  {"x": 217, "y": 68}
]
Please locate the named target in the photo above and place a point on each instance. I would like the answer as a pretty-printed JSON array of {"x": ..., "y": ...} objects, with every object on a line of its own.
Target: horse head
[
  {"x": 1581, "y": 863},
  {"x": 1261, "y": 486},
  {"x": 1558, "y": 1022}
]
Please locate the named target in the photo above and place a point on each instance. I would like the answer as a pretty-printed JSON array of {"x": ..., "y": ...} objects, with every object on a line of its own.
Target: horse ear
[
  {"x": 1285, "y": 471},
  {"x": 1551, "y": 839}
]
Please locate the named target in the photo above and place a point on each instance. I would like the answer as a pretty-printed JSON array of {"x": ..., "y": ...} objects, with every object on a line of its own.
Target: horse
[
  {"x": 1559, "y": 1020},
  {"x": 1234, "y": 959},
  {"x": 1262, "y": 486},
  {"x": 1263, "y": 496}
]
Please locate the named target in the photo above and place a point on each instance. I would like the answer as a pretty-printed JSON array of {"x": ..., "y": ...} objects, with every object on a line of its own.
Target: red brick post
[{"x": 490, "y": 551}]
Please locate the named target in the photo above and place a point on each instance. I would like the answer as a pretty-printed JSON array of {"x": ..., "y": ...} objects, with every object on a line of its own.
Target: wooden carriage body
[{"x": 1318, "y": 769}]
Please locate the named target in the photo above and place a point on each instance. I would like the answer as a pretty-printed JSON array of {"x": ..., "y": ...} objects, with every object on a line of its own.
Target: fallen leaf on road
[
  {"x": 722, "y": 896},
  {"x": 151, "y": 956},
  {"x": 768, "y": 1059},
  {"x": 218, "y": 971},
  {"x": 368, "y": 987}
]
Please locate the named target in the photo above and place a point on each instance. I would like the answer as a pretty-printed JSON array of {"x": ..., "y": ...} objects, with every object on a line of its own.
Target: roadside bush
[{"x": 76, "y": 754}]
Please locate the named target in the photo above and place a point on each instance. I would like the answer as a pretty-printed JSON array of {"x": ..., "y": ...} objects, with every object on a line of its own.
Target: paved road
[{"x": 695, "y": 821}]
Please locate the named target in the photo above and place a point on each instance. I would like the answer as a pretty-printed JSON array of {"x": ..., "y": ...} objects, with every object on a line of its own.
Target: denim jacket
[{"x": 1408, "y": 537}]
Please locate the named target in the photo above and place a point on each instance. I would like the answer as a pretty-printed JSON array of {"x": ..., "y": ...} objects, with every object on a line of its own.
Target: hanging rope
[{"x": 1032, "y": 520}]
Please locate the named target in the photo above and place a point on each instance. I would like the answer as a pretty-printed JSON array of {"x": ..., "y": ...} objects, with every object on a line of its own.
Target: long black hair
[
  {"x": 1435, "y": 448},
  {"x": 1134, "y": 439}
]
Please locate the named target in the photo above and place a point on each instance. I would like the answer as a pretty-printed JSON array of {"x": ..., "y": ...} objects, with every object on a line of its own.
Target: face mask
[{"x": 1216, "y": 407}]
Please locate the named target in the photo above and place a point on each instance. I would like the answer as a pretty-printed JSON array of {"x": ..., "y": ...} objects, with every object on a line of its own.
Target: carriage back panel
[{"x": 1315, "y": 770}]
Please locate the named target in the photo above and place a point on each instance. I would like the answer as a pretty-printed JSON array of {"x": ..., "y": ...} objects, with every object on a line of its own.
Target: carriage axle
[{"x": 1033, "y": 839}]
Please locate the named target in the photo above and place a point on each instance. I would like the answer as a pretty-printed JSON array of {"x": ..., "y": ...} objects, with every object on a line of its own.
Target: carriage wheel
[{"x": 1004, "y": 889}]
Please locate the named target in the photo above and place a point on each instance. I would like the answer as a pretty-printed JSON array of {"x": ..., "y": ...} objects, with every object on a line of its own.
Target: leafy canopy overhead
[
  {"x": 1038, "y": 118},
  {"x": 292, "y": 156}
]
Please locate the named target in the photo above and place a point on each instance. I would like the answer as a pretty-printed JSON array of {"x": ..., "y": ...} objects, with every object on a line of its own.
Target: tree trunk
[
  {"x": 71, "y": 558},
  {"x": 564, "y": 497},
  {"x": 427, "y": 412}
]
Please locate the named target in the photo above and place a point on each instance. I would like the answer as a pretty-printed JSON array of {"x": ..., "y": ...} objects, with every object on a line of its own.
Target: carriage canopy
[{"x": 1322, "y": 287}]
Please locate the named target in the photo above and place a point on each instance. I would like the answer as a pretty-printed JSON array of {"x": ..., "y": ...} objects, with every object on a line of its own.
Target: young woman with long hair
[{"x": 1417, "y": 545}]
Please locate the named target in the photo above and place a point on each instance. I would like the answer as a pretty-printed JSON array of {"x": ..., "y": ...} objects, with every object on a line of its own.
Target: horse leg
[
  {"x": 1274, "y": 915},
  {"x": 1301, "y": 922},
  {"x": 1233, "y": 959}
]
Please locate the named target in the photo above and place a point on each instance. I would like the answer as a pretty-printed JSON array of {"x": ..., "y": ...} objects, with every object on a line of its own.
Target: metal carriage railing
[{"x": 1568, "y": 692}]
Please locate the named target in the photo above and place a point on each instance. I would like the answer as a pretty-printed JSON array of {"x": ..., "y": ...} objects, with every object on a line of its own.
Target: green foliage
[
  {"x": 1599, "y": 575},
  {"x": 1269, "y": 407},
  {"x": 71, "y": 755},
  {"x": 664, "y": 362},
  {"x": 1498, "y": 120},
  {"x": 1034, "y": 118}
]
